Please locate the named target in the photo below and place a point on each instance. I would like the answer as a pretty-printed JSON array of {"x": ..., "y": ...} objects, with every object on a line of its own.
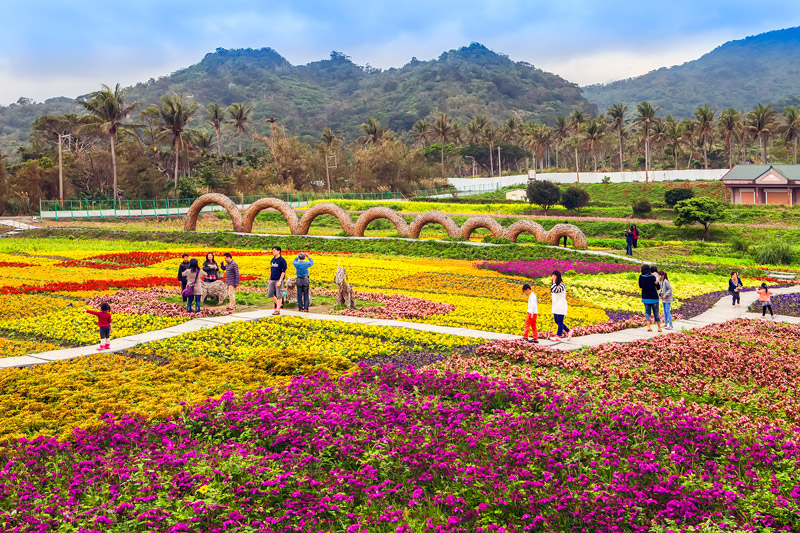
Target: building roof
[{"x": 753, "y": 172}]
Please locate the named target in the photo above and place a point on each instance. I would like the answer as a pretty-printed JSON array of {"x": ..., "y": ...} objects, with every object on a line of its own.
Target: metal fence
[
  {"x": 456, "y": 192},
  {"x": 56, "y": 209}
]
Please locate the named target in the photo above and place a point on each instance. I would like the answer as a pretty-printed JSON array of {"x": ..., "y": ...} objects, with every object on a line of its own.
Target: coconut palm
[
  {"x": 536, "y": 137},
  {"x": 576, "y": 120},
  {"x": 215, "y": 116},
  {"x": 791, "y": 128},
  {"x": 240, "y": 114},
  {"x": 617, "y": 115},
  {"x": 559, "y": 133},
  {"x": 373, "y": 131},
  {"x": 421, "y": 132},
  {"x": 330, "y": 139},
  {"x": 474, "y": 132},
  {"x": 761, "y": 123},
  {"x": 175, "y": 113},
  {"x": 512, "y": 128},
  {"x": 592, "y": 134},
  {"x": 645, "y": 119},
  {"x": 730, "y": 122},
  {"x": 443, "y": 129},
  {"x": 490, "y": 136},
  {"x": 673, "y": 136},
  {"x": 200, "y": 141},
  {"x": 107, "y": 110},
  {"x": 705, "y": 129}
]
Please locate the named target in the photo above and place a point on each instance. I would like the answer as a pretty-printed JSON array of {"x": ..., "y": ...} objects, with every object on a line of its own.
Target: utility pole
[
  {"x": 327, "y": 168},
  {"x": 473, "y": 164},
  {"x": 577, "y": 168},
  {"x": 61, "y": 169}
]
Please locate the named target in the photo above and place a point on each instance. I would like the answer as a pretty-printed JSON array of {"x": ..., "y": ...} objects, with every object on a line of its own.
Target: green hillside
[
  {"x": 763, "y": 68},
  {"x": 339, "y": 94}
]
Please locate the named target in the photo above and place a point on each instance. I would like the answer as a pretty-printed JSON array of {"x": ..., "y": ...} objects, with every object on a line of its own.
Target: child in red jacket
[{"x": 104, "y": 323}]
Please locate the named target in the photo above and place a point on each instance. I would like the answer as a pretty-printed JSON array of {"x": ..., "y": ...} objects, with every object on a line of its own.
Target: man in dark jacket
[
  {"x": 184, "y": 266},
  {"x": 232, "y": 279}
]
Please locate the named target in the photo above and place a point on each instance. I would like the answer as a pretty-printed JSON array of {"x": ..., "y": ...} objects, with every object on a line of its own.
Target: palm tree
[
  {"x": 730, "y": 121},
  {"x": 673, "y": 135},
  {"x": 536, "y": 137},
  {"x": 474, "y": 132},
  {"x": 689, "y": 127},
  {"x": 576, "y": 119},
  {"x": 175, "y": 115},
  {"x": 791, "y": 130},
  {"x": 617, "y": 115},
  {"x": 216, "y": 117},
  {"x": 107, "y": 110},
  {"x": 240, "y": 113},
  {"x": 490, "y": 135},
  {"x": 511, "y": 130},
  {"x": 420, "y": 132},
  {"x": 443, "y": 129},
  {"x": 761, "y": 123},
  {"x": 373, "y": 131},
  {"x": 330, "y": 139},
  {"x": 200, "y": 141},
  {"x": 560, "y": 132},
  {"x": 705, "y": 129},
  {"x": 645, "y": 119},
  {"x": 593, "y": 133}
]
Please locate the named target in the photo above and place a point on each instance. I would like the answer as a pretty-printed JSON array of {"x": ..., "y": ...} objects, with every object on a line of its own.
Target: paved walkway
[{"x": 721, "y": 312}]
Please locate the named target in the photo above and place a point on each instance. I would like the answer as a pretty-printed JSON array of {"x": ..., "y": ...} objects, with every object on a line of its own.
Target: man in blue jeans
[{"x": 277, "y": 275}]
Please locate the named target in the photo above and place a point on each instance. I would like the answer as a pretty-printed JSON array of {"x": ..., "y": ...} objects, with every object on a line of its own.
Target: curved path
[{"x": 721, "y": 312}]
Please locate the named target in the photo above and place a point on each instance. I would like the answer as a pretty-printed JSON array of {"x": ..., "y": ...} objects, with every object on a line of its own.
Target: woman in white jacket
[{"x": 558, "y": 293}]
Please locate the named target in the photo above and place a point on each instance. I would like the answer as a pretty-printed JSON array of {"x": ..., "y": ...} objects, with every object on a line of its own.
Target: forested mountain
[
  {"x": 763, "y": 68},
  {"x": 339, "y": 94}
]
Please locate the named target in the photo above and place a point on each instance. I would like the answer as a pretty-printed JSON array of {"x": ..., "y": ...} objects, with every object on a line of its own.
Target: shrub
[
  {"x": 774, "y": 252},
  {"x": 496, "y": 240},
  {"x": 702, "y": 210},
  {"x": 543, "y": 193},
  {"x": 673, "y": 196},
  {"x": 739, "y": 244},
  {"x": 642, "y": 207},
  {"x": 575, "y": 198}
]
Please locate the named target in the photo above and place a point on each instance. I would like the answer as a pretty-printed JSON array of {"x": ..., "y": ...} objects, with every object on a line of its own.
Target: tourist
[
  {"x": 565, "y": 237},
  {"x": 210, "y": 267},
  {"x": 765, "y": 297},
  {"x": 183, "y": 266},
  {"x": 277, "y": 273},
  {"x": 649, "y": 286},
  {"x": 628, "y": 242},
  {"x": 735, "y": 288},
  {"x": 635, "y": 232},
  {"x": 232, "y": 279},
  {"x": 654, "y": 272},
  {"x": 533, "y": 312},
  {"x": 558, "y": 294},
  {"x": 104, "y": 324},
  {"x": 665, "y": 293},
  {"x": 194, "y": 280},
  {"x": 302, "y": 283}
]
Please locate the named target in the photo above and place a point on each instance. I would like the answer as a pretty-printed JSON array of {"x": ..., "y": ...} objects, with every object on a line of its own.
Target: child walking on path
[
  {"x": 533, "y": 312},
  {"x": 104, "y": 323},
  {"x": 765, "y": 297},
  {"x": 665, "y": 293}
]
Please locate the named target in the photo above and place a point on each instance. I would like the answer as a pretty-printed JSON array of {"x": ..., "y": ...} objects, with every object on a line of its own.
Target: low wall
[{"x": 589, "y": 177}]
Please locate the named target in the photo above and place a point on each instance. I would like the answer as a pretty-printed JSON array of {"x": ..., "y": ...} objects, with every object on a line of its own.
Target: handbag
[{"x": 188, "y": 292}]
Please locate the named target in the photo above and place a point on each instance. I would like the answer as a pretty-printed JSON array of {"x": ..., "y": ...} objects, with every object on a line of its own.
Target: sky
[{"x": 56, "y": 48}]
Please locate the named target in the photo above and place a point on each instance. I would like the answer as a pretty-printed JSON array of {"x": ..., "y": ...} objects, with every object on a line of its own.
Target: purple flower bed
[
  {"x": 545, "y": 267},
  {"x": 782, "y": 304},
  {"x": 700, "y": 304},
  {"x": 396, "y": 450}
]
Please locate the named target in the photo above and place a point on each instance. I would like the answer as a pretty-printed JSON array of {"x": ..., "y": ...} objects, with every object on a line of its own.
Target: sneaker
[
  {"x": 101, "y": 348},
  {"x": 569, "y": 335},
  {"x": 555, "y": 339}
]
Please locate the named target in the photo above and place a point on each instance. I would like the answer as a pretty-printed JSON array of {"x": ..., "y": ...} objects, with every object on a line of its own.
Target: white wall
[{"x": 588, "y": 177}]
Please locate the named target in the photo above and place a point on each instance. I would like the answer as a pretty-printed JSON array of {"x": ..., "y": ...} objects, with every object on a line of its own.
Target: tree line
[{"x": 118, "y": 150}]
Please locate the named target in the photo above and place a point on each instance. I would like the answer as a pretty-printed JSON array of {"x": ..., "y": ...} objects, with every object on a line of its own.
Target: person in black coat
[
  {"x": 649, "y": 285},
  {"x": 181, "y": 268},
  {"x": 628, "y": 242}
]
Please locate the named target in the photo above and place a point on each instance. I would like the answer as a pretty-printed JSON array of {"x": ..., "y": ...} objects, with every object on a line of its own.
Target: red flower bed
[
  {"x": 99, "y": 285},
  {"x": 12, "y": 264},
  {"x": 120, "y": 261}
]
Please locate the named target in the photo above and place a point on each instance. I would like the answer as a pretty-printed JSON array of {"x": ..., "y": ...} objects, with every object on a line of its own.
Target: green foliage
[
  {"x": 739, "y": 244},
  {"x": 774, "y": 252},
  {"x": 673, "y": 196},
  {"x": 702, "y": 210},
  {"x": 543, "y": 193},
  {"x": 575, "y": 198},
  {"x": 642, "y": 208}
]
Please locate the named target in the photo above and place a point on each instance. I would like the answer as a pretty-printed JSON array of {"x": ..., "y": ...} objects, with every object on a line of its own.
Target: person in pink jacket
[{"x": 765, "y": 298}]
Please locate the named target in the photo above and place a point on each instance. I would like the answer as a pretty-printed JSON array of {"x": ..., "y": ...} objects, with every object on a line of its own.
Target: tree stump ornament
[{"x": 345, "y": 297}]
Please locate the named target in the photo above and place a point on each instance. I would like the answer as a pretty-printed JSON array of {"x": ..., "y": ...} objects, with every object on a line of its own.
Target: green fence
[{"x": 178, "y": 206}]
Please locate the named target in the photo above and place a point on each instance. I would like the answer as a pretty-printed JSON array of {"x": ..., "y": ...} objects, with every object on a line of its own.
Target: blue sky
[{"x": 56, "y": 48}]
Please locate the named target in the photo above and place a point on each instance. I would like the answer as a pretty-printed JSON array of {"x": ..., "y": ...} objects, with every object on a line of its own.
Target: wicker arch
[
  {"x": 433, "y": 217},
  {"x": 190, "y": 224},
  {"x": 325, "y": 208},
  {"x": 374, "y": 213},
  {"x": 270, "y": 203},
  {"x": 566, "y": 230},
  {"x": 471, "y": 224},
  {"x": 522, "y": 226}
]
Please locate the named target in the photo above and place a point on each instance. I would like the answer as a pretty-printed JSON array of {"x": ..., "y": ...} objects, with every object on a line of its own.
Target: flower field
[{"x": 291, "y": 424}]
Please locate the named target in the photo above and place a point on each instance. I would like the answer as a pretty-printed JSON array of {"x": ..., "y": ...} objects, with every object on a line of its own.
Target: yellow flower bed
[
  {"x": 684, "y": 285},
  {"x": 56, "y": 398},
  {"x": 78, "y": 327},
  {"x": 240, "y": 340},
  {"x": 16, "y": 306},
  {"x": 15, "y": 348}
]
